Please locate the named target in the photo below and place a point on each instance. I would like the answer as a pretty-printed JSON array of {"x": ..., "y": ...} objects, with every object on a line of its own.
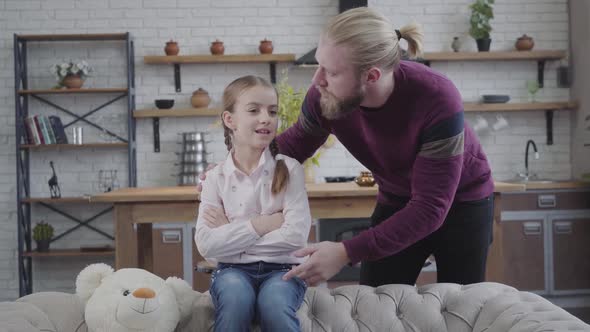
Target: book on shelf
[
  {"x": 58, "y": 130},
  {"x": 45, "y": 129},
  {"x": 32, "y": 130},
  {"x": 39, "y": 129},
  {"x": 49, "y": 130}
]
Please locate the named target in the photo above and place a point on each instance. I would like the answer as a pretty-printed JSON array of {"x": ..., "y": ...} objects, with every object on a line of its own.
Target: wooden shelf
[
  {"x": 69, "y": 252},
  {"x": 516, "y": 107},
  {"x": 233, "y": 58},
  {"x": 494, "y": 56},
  {"x": 73, "y": 146},
  {"x": 71, "y": 91},
  {"x": 157, "y": 113},
  {"x": 82, "y": 199},
  {"x": 75, "y": 37}
]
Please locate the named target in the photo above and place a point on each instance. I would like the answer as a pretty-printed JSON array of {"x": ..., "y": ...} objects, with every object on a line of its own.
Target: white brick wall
[{"x": 293, "y": 26}]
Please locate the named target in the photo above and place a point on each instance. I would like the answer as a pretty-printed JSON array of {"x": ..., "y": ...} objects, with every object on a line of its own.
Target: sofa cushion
[{"x": 437, "y": 307}]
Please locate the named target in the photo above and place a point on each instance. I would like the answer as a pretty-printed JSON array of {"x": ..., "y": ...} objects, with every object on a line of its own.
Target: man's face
[{"x": 337, "y": 80}]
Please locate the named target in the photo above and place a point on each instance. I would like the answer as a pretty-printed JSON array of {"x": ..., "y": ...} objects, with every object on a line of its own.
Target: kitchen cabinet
[
  {"x": 542, "y": 242},
  {"x": 570, "y": 241}
]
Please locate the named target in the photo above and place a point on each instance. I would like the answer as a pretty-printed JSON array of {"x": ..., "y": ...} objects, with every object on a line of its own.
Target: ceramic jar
[
  {"x": 365, "y": 179},
  {"x": 200, "y": 98},
  {"x": 171, "y": 48},
  {"x": 524, "y": 43},
  {"x": 217, "y": 47},
  {"x": 265, "y": 47}
]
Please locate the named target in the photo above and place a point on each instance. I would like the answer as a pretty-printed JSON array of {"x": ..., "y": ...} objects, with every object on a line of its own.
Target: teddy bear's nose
[{"x": 144, "y": 293}]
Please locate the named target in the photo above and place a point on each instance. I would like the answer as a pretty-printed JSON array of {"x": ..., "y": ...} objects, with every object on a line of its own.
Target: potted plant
[
  {"x": 290, "y": 101},
  {"x": 481, "y": 14},
  {"x": 42, "y": 234},
  {"x": 71, "y": 74}
]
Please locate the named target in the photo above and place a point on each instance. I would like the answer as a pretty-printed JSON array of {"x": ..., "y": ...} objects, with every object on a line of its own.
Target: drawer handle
[
  {"x": 171, "y": 237},
  {"x": 547, "y": 201},
  {"x": 531, "y": 228},
  {"x": 562, "y": 227}
]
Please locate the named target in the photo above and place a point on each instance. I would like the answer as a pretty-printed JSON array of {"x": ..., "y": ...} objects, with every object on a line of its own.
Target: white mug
[
  {"x": 480, "y": 123},
  {"x": 501, "y": 123}
]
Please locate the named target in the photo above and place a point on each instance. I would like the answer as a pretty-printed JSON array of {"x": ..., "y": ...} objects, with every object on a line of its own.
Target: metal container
[
  {"x": 188, "y": 179},
  {"x": 192, "y": 157},
  {"x": 194, "y": 146},
  {"x": 194, "y": 136},
  {"x": 196, "y": 168}
]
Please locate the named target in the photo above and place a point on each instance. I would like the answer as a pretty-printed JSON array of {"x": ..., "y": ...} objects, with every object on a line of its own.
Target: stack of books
[{"x": 41, "y": 129}]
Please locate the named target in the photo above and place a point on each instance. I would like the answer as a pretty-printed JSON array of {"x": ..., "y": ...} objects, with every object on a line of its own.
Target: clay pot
[
  {"x": 265, "y": 47},
  {"x": 73, "y": 82},
  {"x": 171, "y": 48},
  {"x": 200, "y": 98},
  {"x": 217, "y": 47},
  {"x": 365, "y": 179},
  {"x": 524, "y": 43}
]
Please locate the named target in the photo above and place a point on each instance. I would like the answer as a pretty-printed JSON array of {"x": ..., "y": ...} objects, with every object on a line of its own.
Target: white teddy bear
[{"x": 132, "y": 300}]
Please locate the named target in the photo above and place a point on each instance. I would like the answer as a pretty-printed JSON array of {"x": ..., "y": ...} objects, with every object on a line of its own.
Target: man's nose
[{"x": 318, "y": 78}]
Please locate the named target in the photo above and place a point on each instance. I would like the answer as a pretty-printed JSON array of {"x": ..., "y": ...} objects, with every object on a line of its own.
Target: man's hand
[
  {"x": 327, "y": 259},
  {"x": 202, "y": 177},
  {"x": 266, "y": 224},
  {"x": 215, "y": 217}
]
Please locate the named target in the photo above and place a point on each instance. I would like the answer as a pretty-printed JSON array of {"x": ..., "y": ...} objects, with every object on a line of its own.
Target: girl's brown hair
[{"x": 230, "y": 95}]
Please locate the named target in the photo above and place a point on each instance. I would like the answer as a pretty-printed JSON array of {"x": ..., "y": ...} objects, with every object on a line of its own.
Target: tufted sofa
[{"x": 485, "y": 307}]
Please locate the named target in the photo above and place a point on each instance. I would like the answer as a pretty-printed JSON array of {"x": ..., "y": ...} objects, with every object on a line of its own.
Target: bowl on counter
[
  {"x": 164, "y": 103},
  {"x": 495, "y": 99}
]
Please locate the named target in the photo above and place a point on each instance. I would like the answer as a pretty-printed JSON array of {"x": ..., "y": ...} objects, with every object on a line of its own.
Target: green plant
[
  {"x": 481, "y": 14},
  {"x": 290, "y": 101},
  {"x": 42, "y": 231}
]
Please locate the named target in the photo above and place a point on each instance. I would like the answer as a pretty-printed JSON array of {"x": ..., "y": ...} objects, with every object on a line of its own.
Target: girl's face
[{"x": 255, "y": 118}]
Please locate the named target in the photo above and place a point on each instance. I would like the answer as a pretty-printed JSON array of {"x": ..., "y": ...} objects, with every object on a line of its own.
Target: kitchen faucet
[{"x": 526, "y": 157}]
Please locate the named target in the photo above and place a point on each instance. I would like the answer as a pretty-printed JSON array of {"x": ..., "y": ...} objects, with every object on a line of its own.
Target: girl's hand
[{"x": 215, "y": 217}]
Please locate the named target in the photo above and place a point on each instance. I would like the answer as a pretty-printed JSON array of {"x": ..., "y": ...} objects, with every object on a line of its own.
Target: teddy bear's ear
[
  {"x": 185, "y": 295},
  {"x": 90, "y": 278}
]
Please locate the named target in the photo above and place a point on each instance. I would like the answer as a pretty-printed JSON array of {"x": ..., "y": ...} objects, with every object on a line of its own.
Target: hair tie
[{"x": 399, "y": 34}]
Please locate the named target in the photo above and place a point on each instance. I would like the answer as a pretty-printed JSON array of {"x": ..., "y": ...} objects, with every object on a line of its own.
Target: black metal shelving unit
[{"x": 22, "y": 94}]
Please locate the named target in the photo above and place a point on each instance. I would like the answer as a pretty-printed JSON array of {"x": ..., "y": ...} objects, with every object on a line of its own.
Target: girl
[{"x": 253, "y": 214}]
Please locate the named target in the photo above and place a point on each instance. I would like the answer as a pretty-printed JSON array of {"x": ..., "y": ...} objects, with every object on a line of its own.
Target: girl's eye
[
  {"x": 126, "y": 292},
  {"x": 272, "y": 112},
  {"x": 252, "y": 110}
]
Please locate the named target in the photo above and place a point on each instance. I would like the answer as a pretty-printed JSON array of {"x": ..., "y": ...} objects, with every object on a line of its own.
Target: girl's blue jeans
[{"x": 243, "y": 293}]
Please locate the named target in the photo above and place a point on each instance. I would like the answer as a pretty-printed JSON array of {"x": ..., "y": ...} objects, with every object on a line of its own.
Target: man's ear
[
  {"x": 227, "y": 119},
  {"x": 373, "y": 74}
]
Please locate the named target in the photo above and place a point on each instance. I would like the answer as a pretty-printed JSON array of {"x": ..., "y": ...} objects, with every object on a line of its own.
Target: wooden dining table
[{"x": 136, "y": 209}]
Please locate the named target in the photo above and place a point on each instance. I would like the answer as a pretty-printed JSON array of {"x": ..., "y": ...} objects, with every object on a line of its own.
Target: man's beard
[{"x": 334, "y": 108}]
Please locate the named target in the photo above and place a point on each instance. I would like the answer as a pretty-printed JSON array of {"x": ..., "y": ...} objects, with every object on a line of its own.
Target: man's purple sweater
[{"x": 416, "y": 145}]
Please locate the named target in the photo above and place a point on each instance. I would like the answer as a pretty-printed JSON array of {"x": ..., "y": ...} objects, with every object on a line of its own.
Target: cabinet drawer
[{"x": 545, "y": 201}]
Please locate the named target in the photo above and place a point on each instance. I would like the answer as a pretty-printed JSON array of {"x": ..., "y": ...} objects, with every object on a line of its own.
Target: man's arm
[{"x": 435, "y": 178}]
